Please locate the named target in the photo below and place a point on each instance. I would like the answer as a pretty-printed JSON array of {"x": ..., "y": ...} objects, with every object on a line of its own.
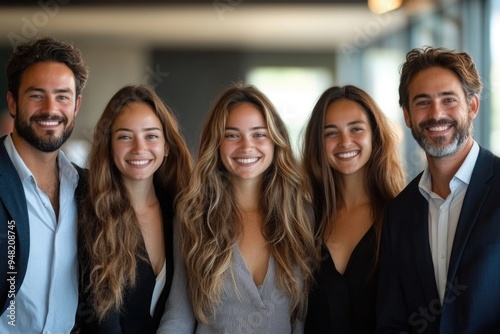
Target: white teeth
[
  {"x": 348, "y": 154},
  {"x": 247, "y": 161},
  {"x": 438, "y": 128},
  {"x": 138, "y": 162},
  {"x": 48, "y": 123}
]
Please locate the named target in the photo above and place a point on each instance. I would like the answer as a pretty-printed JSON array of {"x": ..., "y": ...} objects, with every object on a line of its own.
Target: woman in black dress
[{"x": 350, "y": 160}]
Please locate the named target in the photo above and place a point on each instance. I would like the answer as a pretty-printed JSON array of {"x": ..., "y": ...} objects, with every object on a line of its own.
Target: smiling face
[
  {"x": 347, "y": 137},
  {"x": 440, "y": 116},
  {"x": 138, "y": 142},
  {"x": 46, "y": 106},
  {"x": 246, "y": 150}
]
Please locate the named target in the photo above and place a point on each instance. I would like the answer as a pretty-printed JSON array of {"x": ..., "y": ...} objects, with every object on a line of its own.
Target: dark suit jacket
[
  {"x": 14, "y": 229},
  {"x": 408, "y": 300}
]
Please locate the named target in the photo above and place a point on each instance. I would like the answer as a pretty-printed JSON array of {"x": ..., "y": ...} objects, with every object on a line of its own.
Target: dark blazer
[
  {"x": 135, "y": 316},
  {"x": 408, "y": 300},
  {"x": 14, "y": 229}
]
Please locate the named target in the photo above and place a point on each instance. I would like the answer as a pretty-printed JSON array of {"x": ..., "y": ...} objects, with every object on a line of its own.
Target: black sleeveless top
[
  {"x": 135, "y": 316},
  {"x": 343, "y": 304}
]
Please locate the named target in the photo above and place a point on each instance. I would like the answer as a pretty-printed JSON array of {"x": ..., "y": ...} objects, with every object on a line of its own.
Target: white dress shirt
[
  {"x": 444, "y": 214},
  {"x": 48, "y": 297}
]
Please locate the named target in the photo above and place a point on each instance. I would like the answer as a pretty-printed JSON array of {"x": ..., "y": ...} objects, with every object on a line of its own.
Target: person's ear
[
  {"x": 474, "y": 106},
  {"x": 406, "y": 114},
  {"x": 11, "y": 104},
  {"x": 78, "y": 102}
]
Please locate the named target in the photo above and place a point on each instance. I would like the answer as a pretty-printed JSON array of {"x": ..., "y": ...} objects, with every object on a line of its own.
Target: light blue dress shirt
[{"x": 48, "y": 297}]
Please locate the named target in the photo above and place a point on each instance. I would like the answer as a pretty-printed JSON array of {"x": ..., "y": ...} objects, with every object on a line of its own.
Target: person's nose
[
  {"x": 139, "y": 146},
  {"x": 50, "y": 105},
  {"x": 246, "y": 144},
  {"x": 435, "y": 110},
  {"x": 345, "y": 140}
]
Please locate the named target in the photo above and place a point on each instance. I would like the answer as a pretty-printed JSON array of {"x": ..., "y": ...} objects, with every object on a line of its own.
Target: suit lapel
[
  {"x": 14, "y": 203},
  {"x": 11, "y": 189},
  {"x": 421, "y": 247},
  {"x": 14, "y": 200},
  {"x": 477, "y": 192}
]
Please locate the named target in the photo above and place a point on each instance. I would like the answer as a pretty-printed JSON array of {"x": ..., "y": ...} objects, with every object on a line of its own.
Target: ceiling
[
  {"x": 236, "y": 24},
  {"x": 87, "y": 3}
]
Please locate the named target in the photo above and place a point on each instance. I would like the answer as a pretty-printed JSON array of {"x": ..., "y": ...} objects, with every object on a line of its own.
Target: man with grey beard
[
  {"x": 440, "y": 254},
  {"x": 38, "y": 211}
]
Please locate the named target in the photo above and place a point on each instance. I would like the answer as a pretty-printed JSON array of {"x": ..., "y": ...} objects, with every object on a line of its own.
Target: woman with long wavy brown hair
[
  {"x": 351, "y": 162},
  {"x": 137, "y": 166},
  {"x": 247, "y": 240}
]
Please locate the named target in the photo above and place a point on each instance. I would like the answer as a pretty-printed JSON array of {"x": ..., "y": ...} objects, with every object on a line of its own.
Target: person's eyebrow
[
  {"x": 440, "y": 94},
  {"x": 144, "y": 130},
  {"x": 333, "y": 126},
  {"x": 251, "y": 129},
  {"x": 43, "y": 90}
]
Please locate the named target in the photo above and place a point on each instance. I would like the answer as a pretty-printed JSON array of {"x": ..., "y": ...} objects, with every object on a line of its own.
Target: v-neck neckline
[
  {"x": 241, "y": 260},
  {"x": 354, "y": 251}
]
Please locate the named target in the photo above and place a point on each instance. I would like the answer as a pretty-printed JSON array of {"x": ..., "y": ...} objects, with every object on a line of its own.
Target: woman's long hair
[
  {"x": 210, "y": 223},
  {"x": 385, "y": 177},
  {"x": 110, "y": 239}
]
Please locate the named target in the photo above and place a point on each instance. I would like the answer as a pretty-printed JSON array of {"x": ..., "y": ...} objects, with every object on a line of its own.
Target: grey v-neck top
[{"x": 263, "y": 309}]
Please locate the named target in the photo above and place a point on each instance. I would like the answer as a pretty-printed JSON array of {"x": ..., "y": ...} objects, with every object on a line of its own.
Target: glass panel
[
  {"x": 495, "y": 77},
  {"x": 293, "y": 91}
]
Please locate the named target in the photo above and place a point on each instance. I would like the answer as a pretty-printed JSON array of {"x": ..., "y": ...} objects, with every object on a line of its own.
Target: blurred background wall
[{"x": 292, "y": 50}]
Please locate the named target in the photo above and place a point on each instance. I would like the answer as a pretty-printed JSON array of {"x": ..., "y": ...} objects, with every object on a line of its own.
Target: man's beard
[
  {"x": 47, "y": 142},
  {"x": 437, "y": 147}
]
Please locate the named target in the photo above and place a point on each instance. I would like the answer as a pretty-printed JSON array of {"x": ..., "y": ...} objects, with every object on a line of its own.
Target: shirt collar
[
  {"x": 16, "y": 159},
  {"x": 463, "y": 174},
  {"x": 465, "y": 171},
  {"x": 66, "y": 169}
]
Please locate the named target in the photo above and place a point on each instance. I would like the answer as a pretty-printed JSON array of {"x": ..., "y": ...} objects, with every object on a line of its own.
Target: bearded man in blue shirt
[{"x": 38, "y": 210}]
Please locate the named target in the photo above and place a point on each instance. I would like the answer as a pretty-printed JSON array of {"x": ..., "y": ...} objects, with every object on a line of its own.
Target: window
[
  {"x": 495, "y": 77},
  {"x": 293, "y": 91}
]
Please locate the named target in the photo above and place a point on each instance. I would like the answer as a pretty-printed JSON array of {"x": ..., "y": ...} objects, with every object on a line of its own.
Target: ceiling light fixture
[{"x": 384, "y": 6}]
